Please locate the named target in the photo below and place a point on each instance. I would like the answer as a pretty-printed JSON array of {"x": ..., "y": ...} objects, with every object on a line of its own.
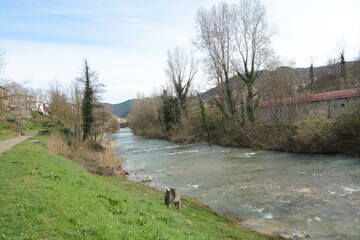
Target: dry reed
[
  {"x": 105, "y": 162},
  {"x": 57, "y": 145}
]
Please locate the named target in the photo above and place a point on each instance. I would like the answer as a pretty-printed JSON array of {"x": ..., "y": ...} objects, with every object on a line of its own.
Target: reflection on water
[{"x": 271, "y": 191}]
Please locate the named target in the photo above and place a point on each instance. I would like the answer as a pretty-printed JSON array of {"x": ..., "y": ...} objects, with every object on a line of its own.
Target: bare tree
[
  {"x": 76, "y": 95},
  {"x": 17, "y": 87},
  {"x": 280, "y": 91},
  {"x": 354, "y": 73},
  {"x": 216, "y": 40},
  {"x": 332, "y": 75},
  {"x": 104, "y": 123},
  {"x": 180, "y": 70},
  {"x": 144, "y": 116},
  {"x": 252, "y": 42},
  {"x": 60, "y": 109},
  {"x": 235, "y": 37}
]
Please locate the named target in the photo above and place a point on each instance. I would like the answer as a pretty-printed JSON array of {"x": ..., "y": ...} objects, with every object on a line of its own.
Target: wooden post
[
  {"x": 172, "y": 197},
  {"x": 169, "y": 199}
]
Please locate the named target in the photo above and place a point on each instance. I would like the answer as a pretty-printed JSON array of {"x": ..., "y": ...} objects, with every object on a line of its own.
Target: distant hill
[
  {"x": 324, "y": 78},
  {"x": 322, "y": 83},
  {"x": 122, "y": 109}
]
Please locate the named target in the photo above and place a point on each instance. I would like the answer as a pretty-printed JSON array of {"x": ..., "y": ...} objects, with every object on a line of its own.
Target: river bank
[
  {"x": 47, "y": 196},
  {"x": 313, "y": 134}
]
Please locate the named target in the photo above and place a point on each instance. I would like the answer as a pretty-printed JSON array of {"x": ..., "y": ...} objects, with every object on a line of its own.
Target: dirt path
[{"x": 8, "y": 144}]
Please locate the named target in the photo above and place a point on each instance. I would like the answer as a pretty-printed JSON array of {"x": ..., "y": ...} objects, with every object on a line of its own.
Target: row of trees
[
  {"x": 80, "y": 108},
  {"x": 234, "y": 39},
  {"x": 235, "y": 45},
  {"x": 77, "y": 107},
  {"x": 84, "y": 121},
  {"x": 339, "y": 74}
]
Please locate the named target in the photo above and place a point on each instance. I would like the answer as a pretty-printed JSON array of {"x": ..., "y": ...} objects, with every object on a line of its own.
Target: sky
[{"x": 126, "y": 42}]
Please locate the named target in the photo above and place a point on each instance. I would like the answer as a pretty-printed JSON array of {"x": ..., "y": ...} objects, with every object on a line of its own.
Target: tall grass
[
  {"x": 57, "y": 145},
  {"x": 102, "y": 160}
]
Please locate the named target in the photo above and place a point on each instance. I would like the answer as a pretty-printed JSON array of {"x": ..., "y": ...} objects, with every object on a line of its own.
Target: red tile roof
[{"x": 340, "y": 94}]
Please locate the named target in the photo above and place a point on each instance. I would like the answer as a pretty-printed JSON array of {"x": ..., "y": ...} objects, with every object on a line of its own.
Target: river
[{"x": 296, "y": 194}]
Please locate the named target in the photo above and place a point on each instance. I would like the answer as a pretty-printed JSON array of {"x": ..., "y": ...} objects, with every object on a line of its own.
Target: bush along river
[{"x": 302, "y": 196}]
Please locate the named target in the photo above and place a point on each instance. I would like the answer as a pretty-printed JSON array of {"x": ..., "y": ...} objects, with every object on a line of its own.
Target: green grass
[
  {"x": 6, "y": 132},
  {"x": 5, "y": 136},
  {"x": 44, "y": 196},
  {"x": 35, "y": 124},
  {"x": 33, "y": 128},
  {"x": 7, "y": 129},
  {"x": 11, "y": 124}
]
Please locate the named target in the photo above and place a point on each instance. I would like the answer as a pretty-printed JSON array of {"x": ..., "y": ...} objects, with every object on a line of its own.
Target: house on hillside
[
  {"x": 329, "y": 104},
  {"x": 42, "y": 108},
  {"x": 22, "y": 101}
]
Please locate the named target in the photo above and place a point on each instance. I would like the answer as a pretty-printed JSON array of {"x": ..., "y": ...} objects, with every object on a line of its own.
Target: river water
[{"x": 315, "y": 195}]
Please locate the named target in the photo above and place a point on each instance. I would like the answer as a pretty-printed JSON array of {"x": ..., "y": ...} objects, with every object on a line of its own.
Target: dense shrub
[
  {"x": 347, "y": 132},
  {"x": 315, "y": 134},
  {"x": 97, "y": 158},
  {"x": 97, "y": 147},
  {"x": 144, "y": 118}
]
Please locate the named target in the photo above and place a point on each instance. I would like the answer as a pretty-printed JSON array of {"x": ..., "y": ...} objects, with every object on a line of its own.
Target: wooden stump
[
  {"x": 168, "y": 198},
  {"x": 172, "y": 198}
]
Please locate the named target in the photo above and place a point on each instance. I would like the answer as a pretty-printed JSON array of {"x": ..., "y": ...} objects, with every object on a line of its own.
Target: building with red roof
[{"x": 328, "y": 104}]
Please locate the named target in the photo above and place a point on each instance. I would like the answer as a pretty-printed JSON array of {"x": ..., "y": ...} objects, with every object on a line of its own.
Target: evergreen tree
[
  {"x": 343, "y": 66},
  {"x": 169, "y": 111},
  {"x": 204, "y": 117},
  {"x": 87, "y": 104},
  {"x": 312, "y": 73}
]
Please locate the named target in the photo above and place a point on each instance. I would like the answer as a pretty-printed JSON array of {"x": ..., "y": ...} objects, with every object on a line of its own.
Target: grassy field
[
  {"x": 35, "y": 124},
  {"x": 5, "y": 136},
  {"x": 32, "y": 125},
  {"x": 6, "y": 132},
  {"x": 44, "y": 196}
]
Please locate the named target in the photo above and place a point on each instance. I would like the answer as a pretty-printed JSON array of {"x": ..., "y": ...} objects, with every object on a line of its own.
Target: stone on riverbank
[{"x": 147, "y": 179}]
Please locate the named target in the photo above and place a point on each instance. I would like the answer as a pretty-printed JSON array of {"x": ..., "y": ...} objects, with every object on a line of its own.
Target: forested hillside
[{"x": 122, "y": 109}]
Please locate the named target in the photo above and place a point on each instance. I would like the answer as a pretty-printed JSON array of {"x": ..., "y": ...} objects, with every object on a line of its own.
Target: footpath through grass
[{"x": 44, "y": 196}]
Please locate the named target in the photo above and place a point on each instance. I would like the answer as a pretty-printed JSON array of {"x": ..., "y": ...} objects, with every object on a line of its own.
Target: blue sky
[{"x": 126, "y": 41}]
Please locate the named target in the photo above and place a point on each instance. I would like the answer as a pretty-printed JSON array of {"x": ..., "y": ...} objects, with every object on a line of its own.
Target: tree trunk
[
  {"x": 172, "y": 197},
  {"x": 250, "y": 106}
]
